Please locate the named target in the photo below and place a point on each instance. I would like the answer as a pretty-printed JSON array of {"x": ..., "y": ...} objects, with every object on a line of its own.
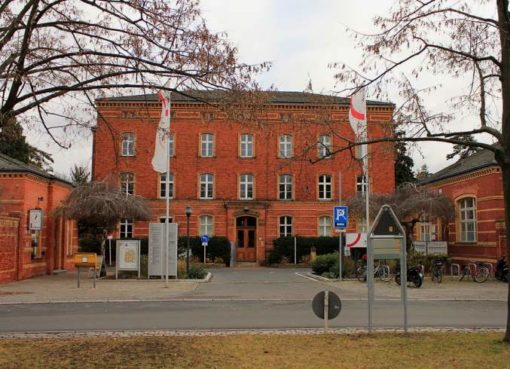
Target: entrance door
[{"x": 246, "y": 228}]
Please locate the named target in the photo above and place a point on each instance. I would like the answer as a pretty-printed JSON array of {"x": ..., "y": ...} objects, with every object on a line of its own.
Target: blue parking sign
[
  {"x": 204, "y": 239},
  {"x": 340, "y": 217}
]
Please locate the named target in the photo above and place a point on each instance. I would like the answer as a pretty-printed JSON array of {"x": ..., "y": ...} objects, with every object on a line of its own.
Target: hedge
[
  {"x": 284, "y": 247},
  {"x": 218, "y": 247}
]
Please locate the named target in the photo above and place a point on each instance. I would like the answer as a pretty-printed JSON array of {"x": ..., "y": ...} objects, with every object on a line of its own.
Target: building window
[
  {"x": 128, "y": 144},
  {"x": 206, "y": 225},
  {"x": 285, "y": 146},
  {"x": 171, "y": 145},
  {"x": 246, "y": 187},
  {"x": 162, "y": 186},
  {"x": 126, "y": 228},
  {"x": 325, "y": 226},
  {"x": 207, "y": 145},
  {"x": 427, "y": 231},
  {"x": 285, "y": 226},
  {"x": 206, "y": 186},
  {"x": 127, "y": 183},
  {"x": 285, "y": 187},
  {"x": 467, "y": 208},
  {"x": 361, "y": 184},
  {"x": 246, "y": 146},
  {"x": 163, "y": 219},
  {"x": 324, "y": 187},
  {"x": 324, "y": 146}
]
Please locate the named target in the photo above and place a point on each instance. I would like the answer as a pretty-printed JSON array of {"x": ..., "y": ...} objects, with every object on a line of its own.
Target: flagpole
[{"x": 167, "y": 186}]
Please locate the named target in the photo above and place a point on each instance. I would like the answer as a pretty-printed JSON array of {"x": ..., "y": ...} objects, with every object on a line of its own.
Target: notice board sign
[
  {"x": 158, "y": 259},
  {"x": 128, "y": 256}
]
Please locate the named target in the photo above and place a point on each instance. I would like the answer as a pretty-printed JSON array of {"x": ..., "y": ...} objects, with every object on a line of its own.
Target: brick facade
[
  {"x": 57, "y": 241},
  {"x": 484, "y": 185},
  {"x": 303, "y": 122}
]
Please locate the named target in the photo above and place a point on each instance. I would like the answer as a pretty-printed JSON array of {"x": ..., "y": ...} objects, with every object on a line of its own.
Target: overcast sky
[{"x": 300, "y": 38}]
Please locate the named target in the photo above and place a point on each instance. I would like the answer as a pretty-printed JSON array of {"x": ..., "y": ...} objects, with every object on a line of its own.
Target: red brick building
[
  {"x": 475, "y": 186},
  {"x": 251, "y": 182},
  {"x": 34, "y": 240}
]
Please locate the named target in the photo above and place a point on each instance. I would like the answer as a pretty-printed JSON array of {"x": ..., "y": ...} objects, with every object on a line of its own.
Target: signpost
[
  {"x": 326, "y": 305},
  {"x": 386, "y": 240},
  {"x": 205, "y": 242},
  {"x": 340, "y": 216}
]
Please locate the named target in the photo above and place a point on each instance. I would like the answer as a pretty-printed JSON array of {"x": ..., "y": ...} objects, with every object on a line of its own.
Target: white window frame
[
  {"x": 325, "y": 226},
  {"x": 285, "y": 226},
  {"x": 361, "y": 184},
  {"x": 171, "y": 145},
  {"x": 206, "y": 224},
  {"x": 325, "y": 186},
  {"x": 246, "y": 186},
  {"x": 324, "y": 146},
  {"x": 206, "y": 186},
  {"x": 162, "y": 185},
  {"x": 127, "y": 183},
  {"x": 207, "y": 145},
  {"x": 246, "y": 146},
  {"x": 128, "y": 144},
  {"x": 285, "y": 187},
  {"x": 465, "y": 221},
  {"x": 285, "y": 147},
  {"x": 126, "y": 228},
  {"x": 163, "y": 219}
]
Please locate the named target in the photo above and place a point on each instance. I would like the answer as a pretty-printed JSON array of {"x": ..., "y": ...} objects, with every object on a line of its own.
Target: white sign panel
[
  {"x": 157, "y": 249},
  {"x": 128, "y": 254},
  {"x": 35, "y": 219},
  {"x": 356, "y": 240}
]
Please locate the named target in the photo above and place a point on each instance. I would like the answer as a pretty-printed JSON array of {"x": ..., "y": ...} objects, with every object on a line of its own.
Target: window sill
[{"x": 247, "y": 157}]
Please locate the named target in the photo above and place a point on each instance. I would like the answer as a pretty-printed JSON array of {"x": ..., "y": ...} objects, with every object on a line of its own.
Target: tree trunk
[{"x": 506, "y": 196}]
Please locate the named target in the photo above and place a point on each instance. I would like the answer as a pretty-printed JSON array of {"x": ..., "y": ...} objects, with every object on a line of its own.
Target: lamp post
[{"x": 188, "y": 214}]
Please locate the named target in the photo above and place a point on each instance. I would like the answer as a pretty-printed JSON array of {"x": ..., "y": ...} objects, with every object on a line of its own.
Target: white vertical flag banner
[
  {"x": 358, "y": 121},
  {"x": 159, "y": 160}
]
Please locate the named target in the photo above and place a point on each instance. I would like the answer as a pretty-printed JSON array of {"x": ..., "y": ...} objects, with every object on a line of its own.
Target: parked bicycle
[
  {"x": 381, "y": 271},
  {"x": 477, "y": 271},
  {"x": 437, "y": 270}
]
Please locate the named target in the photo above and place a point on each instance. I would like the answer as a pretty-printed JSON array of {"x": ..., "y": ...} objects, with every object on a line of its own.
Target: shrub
[
  {"x": 196, "y": 272},
  {"x": 323, "y": 245},
  {"x": 274, "y": 257},
  {"x": 89, "y": 245},
  {"x": 218, "y": 247},
  {"x": 325, "y": 263}
]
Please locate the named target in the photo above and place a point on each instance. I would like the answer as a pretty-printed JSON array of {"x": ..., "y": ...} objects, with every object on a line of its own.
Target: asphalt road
[
  {"x": 239, "y": 314},
  {"x": 265, "y": 298}
]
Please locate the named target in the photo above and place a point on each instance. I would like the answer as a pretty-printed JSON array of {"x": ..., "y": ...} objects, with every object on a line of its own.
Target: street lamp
[{"x": 188, "y": 214}]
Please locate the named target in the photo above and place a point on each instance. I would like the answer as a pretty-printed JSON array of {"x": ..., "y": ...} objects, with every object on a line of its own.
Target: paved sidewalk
[{"x": 63, "y": 288}]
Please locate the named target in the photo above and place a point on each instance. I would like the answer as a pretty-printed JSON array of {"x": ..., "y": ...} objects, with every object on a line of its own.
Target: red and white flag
[
  {"x": 159, "y": 160},
  {"x": 358, "y": 121}
]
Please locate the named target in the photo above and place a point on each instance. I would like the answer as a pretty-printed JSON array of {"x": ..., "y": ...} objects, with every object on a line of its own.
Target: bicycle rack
[
  {"x": 491, "y": 269},
  {"x": 456, "y": 267}
]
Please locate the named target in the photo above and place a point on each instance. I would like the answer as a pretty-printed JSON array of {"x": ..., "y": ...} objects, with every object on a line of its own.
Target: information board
[
  {"x": 157, "y": 249},
  {"x": 128, "y": 254}
]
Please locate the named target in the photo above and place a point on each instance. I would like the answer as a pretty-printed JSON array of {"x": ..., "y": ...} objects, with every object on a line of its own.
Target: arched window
[{"x": 467, "y": 219}]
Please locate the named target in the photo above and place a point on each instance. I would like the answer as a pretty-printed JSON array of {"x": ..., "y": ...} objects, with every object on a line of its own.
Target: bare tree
[
  {"x": 441, "y": 38},
  {"x": 410, "y": 204},
  {"x": 84, "y": 49}
]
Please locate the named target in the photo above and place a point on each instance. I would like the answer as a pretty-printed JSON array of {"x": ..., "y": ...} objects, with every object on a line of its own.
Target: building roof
[
  {"x": 479, "y": 160},
  {"x": 275, "y": 97},
  {"x": 8, "y": 164}
]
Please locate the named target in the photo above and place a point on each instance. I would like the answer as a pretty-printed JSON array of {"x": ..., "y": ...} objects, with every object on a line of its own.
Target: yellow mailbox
[{"x": 86, "y": 260}]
